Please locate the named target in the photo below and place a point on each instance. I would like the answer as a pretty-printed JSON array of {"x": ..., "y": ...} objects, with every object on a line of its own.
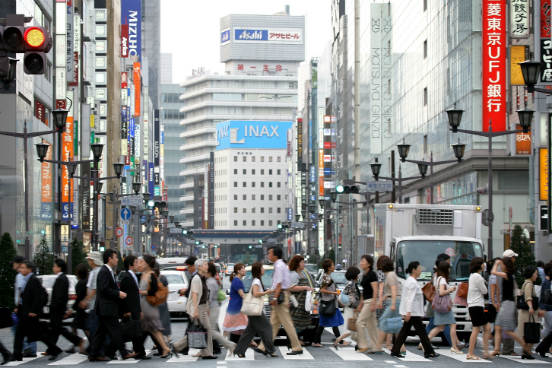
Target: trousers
[
  {"x": 367, "y": 326},
  {"x": 280, "y": 317},
  {"x": 419, "y": 328},
  {"x": 108, "y": 326},
  {"x": 256, "y": 325}
]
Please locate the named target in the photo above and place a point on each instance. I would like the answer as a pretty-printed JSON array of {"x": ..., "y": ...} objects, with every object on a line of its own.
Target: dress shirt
[
  {"x": 134, "y": 277},
  {"x": 281, "y": 275},
  {"x": 476, "y": 290},
  {"x": 112, "y": 272},
  {"x": 20, "y": 283},
  {"x": 412, "y": 299}
]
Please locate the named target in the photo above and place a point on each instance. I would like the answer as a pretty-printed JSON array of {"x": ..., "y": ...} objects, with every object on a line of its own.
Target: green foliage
[
  {"x": 44, "y": 258},
  {"x": 526, "y": 255},
  {"x": 77, "y": 254},
  {"x": 7, "y": 274},
  {"x": 330, "y": 255}
]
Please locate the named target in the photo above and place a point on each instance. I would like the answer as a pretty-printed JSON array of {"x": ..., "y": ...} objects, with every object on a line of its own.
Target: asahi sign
[
  {"x": 131, "y": 28},
  {"x": 494, "y": 64}
]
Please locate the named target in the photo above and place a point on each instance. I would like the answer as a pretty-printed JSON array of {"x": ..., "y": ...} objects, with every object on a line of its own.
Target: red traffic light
[{"x": 34, "y": 37}]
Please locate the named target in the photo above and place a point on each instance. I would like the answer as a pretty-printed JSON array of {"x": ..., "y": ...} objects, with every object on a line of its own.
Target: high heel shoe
[
  {"x": 167, "y": 354},
  {"x": 239, "y": 355},
  {"x": 527, "y": 355}
]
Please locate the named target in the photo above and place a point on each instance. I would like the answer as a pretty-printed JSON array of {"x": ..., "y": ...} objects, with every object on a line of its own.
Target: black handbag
[
  {"x": 522, "y": 304},
  {"x": 6, "y": 317},
  {"x": 197, "y": 335},
  {"x": 327, "y": 307},
  {"x": 531, "y": 331}
]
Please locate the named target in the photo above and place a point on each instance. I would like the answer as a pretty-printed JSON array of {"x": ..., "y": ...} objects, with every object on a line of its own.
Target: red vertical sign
[
  {"x": 494, "y": 64},
  {"x": 137, "y": 88},
  {"x": 545, "y": 19}
]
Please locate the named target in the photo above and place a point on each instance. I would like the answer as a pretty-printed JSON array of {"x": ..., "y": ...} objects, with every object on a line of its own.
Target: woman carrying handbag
[
  {"x": 330, "y": 316},
  {"x": 257, "y": 324}
]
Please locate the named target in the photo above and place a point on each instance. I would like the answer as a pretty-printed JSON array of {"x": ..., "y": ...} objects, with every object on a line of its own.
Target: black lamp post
[
  {"x": 455, "y": 116},
  {"x": 423, "y": 165},
  {"x": 25, "y": 135},
  {"x": 376, "y": 168},
  {"x": 59, "y": 118}
]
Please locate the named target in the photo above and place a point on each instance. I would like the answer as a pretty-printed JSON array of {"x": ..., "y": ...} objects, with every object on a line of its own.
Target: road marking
[
  {"x": 72, "y": 359},
  {"x": 399, "y": 366},
  {"x": 249, "y": 355},
  {"x": 349, "y": 354},
  {"x": 460, "y": 357},
  {"x": 25, "y": 360},
  {"x": 127, "y": 361},
  {"x": 524, "y": 361},
  {"x": 305, "y": 356},
  {"x": 182, "y": 359},
  {"x": 410, "y": 357}
]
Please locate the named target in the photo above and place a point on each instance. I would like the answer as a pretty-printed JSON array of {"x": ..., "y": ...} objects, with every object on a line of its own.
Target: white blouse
[{"x": 412, "y": 299}]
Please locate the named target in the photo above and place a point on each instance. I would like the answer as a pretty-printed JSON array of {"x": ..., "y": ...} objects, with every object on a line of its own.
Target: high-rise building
[
  {"x": 261, "y": 55},
  {"x": 151, "y": 46},
  {"x": 165, "y": 68}
]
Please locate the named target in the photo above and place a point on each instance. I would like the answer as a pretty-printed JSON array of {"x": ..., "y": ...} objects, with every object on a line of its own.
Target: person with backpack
[{"x": 31, "y": 303}]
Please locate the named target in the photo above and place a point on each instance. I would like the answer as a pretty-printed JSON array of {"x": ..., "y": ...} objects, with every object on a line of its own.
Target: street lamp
[
  {"x": 136, "y": 186},
  {"x": 525, "y": 117},
  {"x": 60, "y": 118},
  {"x": 530, "y": 71},
  {"x": 118, "y": 168},
  {"x": 376, "y": 167}
]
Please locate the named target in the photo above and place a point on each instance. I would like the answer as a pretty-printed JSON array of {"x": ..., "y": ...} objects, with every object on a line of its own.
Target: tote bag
[
  {"x": 531, "y": 331},
  {"x": 441, "y": 304},
  {"x": 197, "y": 336},
  {"x": 252, "y": 306}
]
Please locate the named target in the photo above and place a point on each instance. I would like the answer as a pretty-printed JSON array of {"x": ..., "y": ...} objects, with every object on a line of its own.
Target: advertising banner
[
  {"x": 156, "y": 138},
  {"x": 137, "y": 88},
  {"x": 150, "y": 178},
  {"x": 523, "y": 142},
  {"x": 299, "y": 142},
  {"x": 66, "y": 155},
  {"x": 543, "y": 174},
  {"x": 321, "y": 173},
  {"x": 131, "y": 18},
  {"x": 546, "y": 60},
  {"x": 46, "y": 186},
  {"x": 545, "y": 18},
  {"x": 517, "y": 55},
  {"x": 272, "y": 35},
  {"x": 85, "y": 190},
  {"x": 494, "y": 65},
  {"x": 519, "y": 18},
  {"x": 252, "y": 134}
]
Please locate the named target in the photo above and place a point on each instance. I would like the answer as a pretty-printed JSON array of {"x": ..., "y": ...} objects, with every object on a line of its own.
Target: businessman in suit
[
  {"x": 58, "y": 306},
  {"x": 130, "y": 306},
  {"x": 108, "y": 297},
  {"x": 28, "y": 312}
]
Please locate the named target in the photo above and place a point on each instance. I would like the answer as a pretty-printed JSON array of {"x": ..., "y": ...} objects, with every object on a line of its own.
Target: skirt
[
  {"x": 387, "y": 312},
  {"x": 506, "y": 317},
  {"x": 478, "y": 316},
  {"x": 151, "y": 322},
  {"x": 443, "y": 319},
  {"x": 234, "y": 322},
  {"x": 335, "y": 320}
]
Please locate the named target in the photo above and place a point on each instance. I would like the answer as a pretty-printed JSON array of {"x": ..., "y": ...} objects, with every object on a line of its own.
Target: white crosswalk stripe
[
  {"x": 305, "y": 356},
  {"x": 249, "y": 355},
  {"x": 349, "y": 353},
  {"x": 182, "y": 359},
  {"x": 410, "y": 357},
  {"x": 25, "y": 360},
  {"x": 524, "y": 361},
  {"x": 460, "y": 357},
  {"x": 72, "y": 359}
]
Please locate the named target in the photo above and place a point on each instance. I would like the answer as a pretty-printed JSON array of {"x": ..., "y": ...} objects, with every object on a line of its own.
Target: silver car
[
  {"x": 177, "y": 281},
  {"x": 48, "y": 283}
]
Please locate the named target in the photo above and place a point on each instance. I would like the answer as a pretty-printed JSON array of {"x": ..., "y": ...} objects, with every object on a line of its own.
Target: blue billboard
[
  {"x": 225, "y": 36},
  {"x": 241, "y": 34},
  {"x": 131, "y": 21},
  {"x": 253, "y": 134}
]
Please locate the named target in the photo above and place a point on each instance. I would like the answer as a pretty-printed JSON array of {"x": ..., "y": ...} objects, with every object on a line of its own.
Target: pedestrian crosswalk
[{"x": 326, "y": 354}]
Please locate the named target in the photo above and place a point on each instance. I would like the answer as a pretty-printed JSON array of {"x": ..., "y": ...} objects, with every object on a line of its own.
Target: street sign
[
  {"x": 129, "y": 240},
  {"x": 119, "y": 232},
  {"x": 125, "y": 214},
  {"x": 175, "y": 230},
  {"x": 134, "y": 200},
  {"x": 297, "y": 225},
  {"x": 379, "y": 186}
]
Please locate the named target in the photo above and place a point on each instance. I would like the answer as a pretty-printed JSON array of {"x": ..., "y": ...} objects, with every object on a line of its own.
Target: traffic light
[
  {"x": 37, "y": 43},
  {"x": 346, "y": 189}
]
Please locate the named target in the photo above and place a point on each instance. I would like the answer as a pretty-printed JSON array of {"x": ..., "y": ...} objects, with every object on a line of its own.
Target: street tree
[
  {"x": 7, "y": 274},
  {"x": 521, "y": 245},
  {"x": 44, "y": 258}
]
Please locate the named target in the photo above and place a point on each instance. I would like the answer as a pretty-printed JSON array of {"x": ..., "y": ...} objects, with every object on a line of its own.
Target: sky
[{"x": 190, "y": 29}]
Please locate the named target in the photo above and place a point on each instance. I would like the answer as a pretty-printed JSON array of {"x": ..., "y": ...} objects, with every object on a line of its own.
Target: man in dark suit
[
  {"x": 28, "y": 312},
  {"x": 108, "y": 297},
  {"x": 58, "y": 306},
  {"x": 130, "y": 306}
]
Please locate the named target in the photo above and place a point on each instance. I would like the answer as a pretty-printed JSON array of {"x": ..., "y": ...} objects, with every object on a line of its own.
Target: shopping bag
[
  {"x": 197, "y": 336},
  {"x": 252, "y": 306},
  {"x": 531, "y": 331}
]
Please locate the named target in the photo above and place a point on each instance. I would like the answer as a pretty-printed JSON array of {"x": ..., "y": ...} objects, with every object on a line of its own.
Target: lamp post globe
[
  {"x": 530, "y": 71},
  {"x": 375, "y": 167},
  {"x": 454, "y": 118},
  {"x": 60, "y": 118},
  {"x": 97, "y": 149},
  {"x": 525, "y": 118},
  {"x": 403, "y": 151},
  {"x": 422, "y": 167},
  {"x": 42, "y": 150},
  {"x": 118, "y": 168},
  {"x": 459, "y": 150},
  {"x": 136, "y": 187},
  {"x": 71, "y": 168}
]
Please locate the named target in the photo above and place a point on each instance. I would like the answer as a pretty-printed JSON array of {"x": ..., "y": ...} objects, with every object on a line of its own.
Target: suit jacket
[
  {"x": 60, "y": 296},
  {"x": 132, "y": 302},
  {"x": 31, "y": 303},
  {"x": 107, "y": 294}
]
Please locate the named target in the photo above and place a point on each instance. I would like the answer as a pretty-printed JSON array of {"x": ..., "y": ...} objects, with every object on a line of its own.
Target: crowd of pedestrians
[{"x": 379, "y": 309}]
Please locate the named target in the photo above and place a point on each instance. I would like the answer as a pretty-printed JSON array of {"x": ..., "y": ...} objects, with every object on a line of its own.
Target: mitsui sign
[{"x": 253, "y": 134}]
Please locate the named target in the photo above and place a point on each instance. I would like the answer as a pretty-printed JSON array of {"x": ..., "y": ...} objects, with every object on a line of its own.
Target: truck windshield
[{"x": 425, "y": 251}]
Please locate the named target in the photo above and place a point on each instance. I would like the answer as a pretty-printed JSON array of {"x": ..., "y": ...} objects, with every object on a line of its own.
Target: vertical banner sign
[
  {"x": 131, "y": 29},
  {"x": 85, "y": 190},
  {"x": 543, "y": 174},
  {"x": 546, "y": 60},
  {"x": 299, "y": 143},
  {"x": 523, "y": 142},
  {"x": 46, "y": 186},
  {"x": 66, "y": 155},
  {"x": 545, "y": 19},
  {"x": 321, "y": 173},
  {"x": 519, "y": 18},
  {"x": 494, "y": 65},
  {"x": 150, "y": 178},
  {"x": 517, "y": 55},
  {"x": 137, "y": 85},
  {"x": 156, "y": 138}
]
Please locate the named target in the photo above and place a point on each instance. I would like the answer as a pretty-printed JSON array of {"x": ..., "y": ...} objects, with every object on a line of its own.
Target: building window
[
  {"x": 235, "y": 171},
  {"x": 244, "y": 171},
  {"x": 269, "y": 171},
  {"x": 425, "y": 143},
  {"x": 244, "y": 158},
  {"x": 244, "y": 222},
  {"x": 235, "y": 197},
  {"x": 425, "y": 5},
  {"x": 425, "y": 49},
  {"x": 269, "y": 158},
  {"x": 235, "y": 158},
  {"x": 244, "y": 197},
  {"x": 252, "y": 158},
  {"x": 269, "y": 209},
  {"x": 279, "y": 172},
  {"x": 279, "y": 184},
  {"x": 235, "y": 209},
  {"x": 262, "y": 209},
  {"x": 262, "y": 184},
  {"x": 262, "y": 197},
  {"x": 252, "y": 184},
  {"x": 425, "y": 96},
  {"x": 253, "y": 196},
  {"x": 252, "y": 171},
  {"x": 279, "y": 210},
  {"x": 262, "y": 158},
  {"x": 244, "y": 210},
  {"x": 252, "y": 222},
  {"x": 235, "y": 222},
  {"x": 235, "y": 184},
  {"x": 279, "y": 197},
  {"x": 270, "y": 223},
  {"x": 253, "y": 210},
  {"x": 245, "y": 184},
  {"x": 262, "y": 171},
  {"x": 270, "y": 184},
  {"x": 279, "y": 159},
  {"x": 262, "y": 222},
  {"x": 270, "y": 197}
]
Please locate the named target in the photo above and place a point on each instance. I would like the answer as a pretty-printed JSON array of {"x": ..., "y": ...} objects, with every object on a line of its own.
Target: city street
[{"x": 312, "y": 357}]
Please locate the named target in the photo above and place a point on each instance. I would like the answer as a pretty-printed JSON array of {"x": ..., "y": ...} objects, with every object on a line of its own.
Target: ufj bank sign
[
  {"x": 131, "y": 28},
  {"x": 253, "y": 134}
]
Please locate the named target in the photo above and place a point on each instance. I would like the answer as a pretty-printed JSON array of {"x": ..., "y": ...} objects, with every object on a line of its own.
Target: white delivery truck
[{"x": 420, "y": 232}]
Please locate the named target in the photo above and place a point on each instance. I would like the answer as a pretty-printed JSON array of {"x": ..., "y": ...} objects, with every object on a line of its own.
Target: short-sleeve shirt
[
  {"x": 281, "y": 275},
  {"x": 91, "y": 285},
  {"x": 367, "y": 279},
  {"x": 391, "y": 279},
  {"x": 438, "y": 281},
  {"x": 293, "y": 278},
  {"x": 213, "y": 286},
  {"x": 236, "y": 301},
  {"x": 258, "y": 283}
]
